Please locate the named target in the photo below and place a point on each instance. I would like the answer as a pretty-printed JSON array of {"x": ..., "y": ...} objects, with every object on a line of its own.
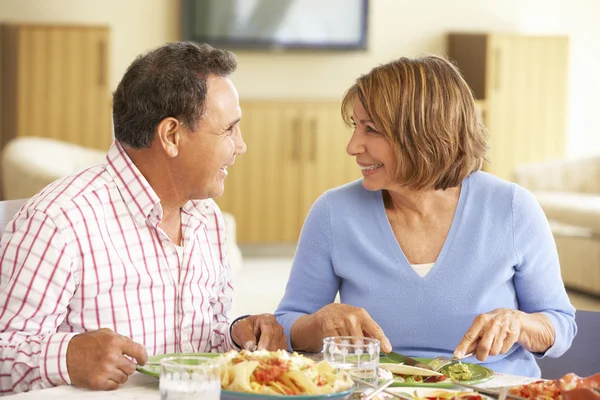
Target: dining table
[{"x": 145, "y": 387}]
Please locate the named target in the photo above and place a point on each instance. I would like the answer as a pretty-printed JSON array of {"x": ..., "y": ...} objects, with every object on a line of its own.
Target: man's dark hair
[{"x": 169, "y": 81}]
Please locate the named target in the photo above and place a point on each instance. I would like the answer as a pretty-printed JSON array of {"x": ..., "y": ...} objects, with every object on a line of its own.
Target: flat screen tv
[{"x": 277, "y": 24}]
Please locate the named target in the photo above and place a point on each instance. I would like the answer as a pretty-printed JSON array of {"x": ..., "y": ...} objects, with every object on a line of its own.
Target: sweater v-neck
[{"x": 403, "y": 262}]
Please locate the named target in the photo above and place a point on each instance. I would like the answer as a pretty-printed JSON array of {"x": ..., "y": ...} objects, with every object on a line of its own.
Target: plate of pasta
[{"x": 272, "y": 375}]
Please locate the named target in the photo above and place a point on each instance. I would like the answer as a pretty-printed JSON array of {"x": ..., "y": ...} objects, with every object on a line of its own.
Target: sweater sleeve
[
  {"x": 537, "y": 279},
  {"x": 312, "y": 283}
]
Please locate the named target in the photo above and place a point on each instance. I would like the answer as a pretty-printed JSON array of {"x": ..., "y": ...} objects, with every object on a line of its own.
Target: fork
[
  {"x": 383, "y": 388},
  {"x": 441, "y": 361}
]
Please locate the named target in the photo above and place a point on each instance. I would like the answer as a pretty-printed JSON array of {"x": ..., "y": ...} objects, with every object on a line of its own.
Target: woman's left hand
[
  {"x": 491, "y": 334},
  {"x": 497, "y": 331}
]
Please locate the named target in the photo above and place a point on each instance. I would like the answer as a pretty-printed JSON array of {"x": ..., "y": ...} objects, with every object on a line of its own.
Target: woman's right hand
[{"x": 335, "y": 319}]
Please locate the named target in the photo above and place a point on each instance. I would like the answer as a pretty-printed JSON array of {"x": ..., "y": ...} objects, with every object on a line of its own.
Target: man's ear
[{"x": 168, "y": 133}]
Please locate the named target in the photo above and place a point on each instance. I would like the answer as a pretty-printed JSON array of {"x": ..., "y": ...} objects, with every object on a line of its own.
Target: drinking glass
[
  {"x": 189, "y": 377},
  {"x": 359, "y": 356}
]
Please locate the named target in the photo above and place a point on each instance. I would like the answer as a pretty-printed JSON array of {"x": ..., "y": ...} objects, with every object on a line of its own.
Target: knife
[
  {"x": 489, "y": 392},
  {"x": 399, "y": 358}
]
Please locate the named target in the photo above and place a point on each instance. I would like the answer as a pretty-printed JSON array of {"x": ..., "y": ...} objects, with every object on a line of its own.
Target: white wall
[{"x": 397, "y": 27}]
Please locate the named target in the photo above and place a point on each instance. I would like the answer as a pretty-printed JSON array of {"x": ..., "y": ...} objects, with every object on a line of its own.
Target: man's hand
[
  {"x": 259, "y": 332},
  {"x": 335, "y": 320},
  {"x": 98, "y": 359}
]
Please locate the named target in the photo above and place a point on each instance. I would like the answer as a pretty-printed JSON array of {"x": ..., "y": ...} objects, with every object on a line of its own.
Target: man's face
[{"x": 206, "y": 152}]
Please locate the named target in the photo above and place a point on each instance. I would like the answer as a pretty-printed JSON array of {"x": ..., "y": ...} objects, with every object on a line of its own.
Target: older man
[{"x": 127, "y": 258}]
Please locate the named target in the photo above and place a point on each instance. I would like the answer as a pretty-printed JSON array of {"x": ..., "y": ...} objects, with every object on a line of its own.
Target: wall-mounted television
[{"x": 277, "y": 24}]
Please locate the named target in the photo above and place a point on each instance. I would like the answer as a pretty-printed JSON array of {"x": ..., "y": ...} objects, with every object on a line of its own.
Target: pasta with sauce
[{"x": 279, "y": 373}]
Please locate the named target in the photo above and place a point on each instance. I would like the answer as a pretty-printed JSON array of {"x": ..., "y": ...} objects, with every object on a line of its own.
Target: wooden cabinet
[
  {"x": 54, "y": 83},
  {"x": 296, "y": 151},
  {"x": 521, "y": 86}
]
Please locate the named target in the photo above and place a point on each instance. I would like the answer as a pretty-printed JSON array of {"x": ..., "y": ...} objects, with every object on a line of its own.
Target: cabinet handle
[
  {"x": 313, "y": 140},
  {"x": 498, "y": 79},
  {"x": 101, "y": 63},
  {"x": 296, "y": 139}
]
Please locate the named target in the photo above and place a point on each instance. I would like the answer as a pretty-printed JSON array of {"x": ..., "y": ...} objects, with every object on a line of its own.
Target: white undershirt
[
  {"x": 422, "y": 269},
  {"x": 179, "y": 253}
]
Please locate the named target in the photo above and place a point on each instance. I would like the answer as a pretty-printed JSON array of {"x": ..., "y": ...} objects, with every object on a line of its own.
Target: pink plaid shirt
[{"x": 87, "y": 253}]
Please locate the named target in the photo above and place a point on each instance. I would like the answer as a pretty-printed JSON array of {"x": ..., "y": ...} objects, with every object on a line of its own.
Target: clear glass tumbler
[
  {"x": 189, "y": 377},
  {"x": 356, "y": 355}
]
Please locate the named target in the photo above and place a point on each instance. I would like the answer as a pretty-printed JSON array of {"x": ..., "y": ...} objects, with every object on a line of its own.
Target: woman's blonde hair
[{"x": 426, "y": 109}]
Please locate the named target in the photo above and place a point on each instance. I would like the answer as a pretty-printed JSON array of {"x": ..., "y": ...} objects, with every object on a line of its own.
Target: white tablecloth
[{"x": 144, "y": 387}]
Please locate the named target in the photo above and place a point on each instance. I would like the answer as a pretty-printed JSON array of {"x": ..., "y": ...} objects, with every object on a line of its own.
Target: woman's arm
[
  {"x": 549, "y": 325},
  {"x": 537, "y": 333},
  {"x": 545, "y": 320},
  {"x": 312, "y": 283},
  {"x": 307, "y": 311}
]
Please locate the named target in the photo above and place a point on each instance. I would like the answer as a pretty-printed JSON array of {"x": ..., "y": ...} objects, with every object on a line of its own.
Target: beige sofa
[
  {"x": 569, "y": 193},
  {"x": 31, "y": 163}
]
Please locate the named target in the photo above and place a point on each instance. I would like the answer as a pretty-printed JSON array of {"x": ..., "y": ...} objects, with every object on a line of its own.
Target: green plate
[
  {"x": 480, "y": 374},
  {"x": 153, "y": 369}
]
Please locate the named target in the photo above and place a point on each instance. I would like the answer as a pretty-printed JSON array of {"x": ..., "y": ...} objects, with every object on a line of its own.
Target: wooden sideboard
[
  {"x": 520, "y": 82},
  {"x": 296, "y": 151},
  {"x": 54, "y": 83}
]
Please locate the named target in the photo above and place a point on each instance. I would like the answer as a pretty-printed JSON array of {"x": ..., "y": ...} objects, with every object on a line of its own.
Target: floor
[{"x": 260, "y": 284}]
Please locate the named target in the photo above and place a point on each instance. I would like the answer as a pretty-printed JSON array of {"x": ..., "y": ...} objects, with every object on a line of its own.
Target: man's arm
[
  {"x": 36, "y": 286},
  {"x": 251, "y": 332},
  {"x": 220, "y": 340}
]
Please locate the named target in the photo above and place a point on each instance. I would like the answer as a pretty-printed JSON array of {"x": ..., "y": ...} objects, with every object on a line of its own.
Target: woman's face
[{"x": 374, "y": 153}]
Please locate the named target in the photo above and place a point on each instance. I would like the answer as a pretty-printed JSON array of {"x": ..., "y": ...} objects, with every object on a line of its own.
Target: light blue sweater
[{"x": 499, "y": 253}]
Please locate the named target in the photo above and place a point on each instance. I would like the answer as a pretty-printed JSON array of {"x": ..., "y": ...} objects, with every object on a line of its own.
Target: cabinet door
[
  {"x": 296, "y": 151},
  {"x": 325, "y": 163},
  {"x": 60, "y": 83},
  {"x": 262, "y": 190},
  {"x": 526, "y": 100}
]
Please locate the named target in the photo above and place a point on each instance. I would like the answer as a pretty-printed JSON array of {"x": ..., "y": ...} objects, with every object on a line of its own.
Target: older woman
[{"x": 428, "y": 253}]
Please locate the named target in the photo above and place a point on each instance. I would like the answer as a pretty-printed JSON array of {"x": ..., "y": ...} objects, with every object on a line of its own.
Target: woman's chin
[{"x": 370, "y": 185}]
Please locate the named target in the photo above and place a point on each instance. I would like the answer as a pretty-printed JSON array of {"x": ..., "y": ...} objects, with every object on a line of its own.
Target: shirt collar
[{"x": 139, "y": 197}]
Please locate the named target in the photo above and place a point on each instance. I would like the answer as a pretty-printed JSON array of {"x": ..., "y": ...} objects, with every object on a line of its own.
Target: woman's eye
[{"x": 370, "y": 130}]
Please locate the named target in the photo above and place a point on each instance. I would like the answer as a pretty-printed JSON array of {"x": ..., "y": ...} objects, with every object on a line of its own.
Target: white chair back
[{"x": 8, "y": 209}]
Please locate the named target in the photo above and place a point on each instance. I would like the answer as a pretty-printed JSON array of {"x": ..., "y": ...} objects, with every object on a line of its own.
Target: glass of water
[
  {"x": 359, "y": 356},
  {"x": 189, "y": 377}
]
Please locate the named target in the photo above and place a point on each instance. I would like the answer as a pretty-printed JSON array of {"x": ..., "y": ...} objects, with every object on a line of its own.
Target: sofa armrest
[
  {"x": 575, "y": 210},
  {"x": 580, "y": 175}
]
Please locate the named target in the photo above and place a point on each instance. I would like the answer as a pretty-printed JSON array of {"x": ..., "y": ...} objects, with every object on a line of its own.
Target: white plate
[{"x": 424, "y": 392}]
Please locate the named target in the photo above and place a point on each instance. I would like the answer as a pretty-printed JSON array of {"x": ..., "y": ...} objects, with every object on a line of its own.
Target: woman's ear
[{"x": 169, "y": 135}]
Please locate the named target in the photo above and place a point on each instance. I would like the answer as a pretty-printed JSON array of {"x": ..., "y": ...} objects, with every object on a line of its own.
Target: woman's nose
[{"x": 354, "y": 146}]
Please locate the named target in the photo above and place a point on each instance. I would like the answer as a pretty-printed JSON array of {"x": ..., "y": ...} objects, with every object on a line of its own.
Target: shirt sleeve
[
  {"x": 36, "y": 286},
  {"x": 312, "y": 283},
  {"x": 538, "y": 281},
  {"x": 220, "y": 340}
]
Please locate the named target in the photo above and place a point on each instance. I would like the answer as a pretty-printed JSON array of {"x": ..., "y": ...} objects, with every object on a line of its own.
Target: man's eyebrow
[{"x": 234, "y": 122}]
